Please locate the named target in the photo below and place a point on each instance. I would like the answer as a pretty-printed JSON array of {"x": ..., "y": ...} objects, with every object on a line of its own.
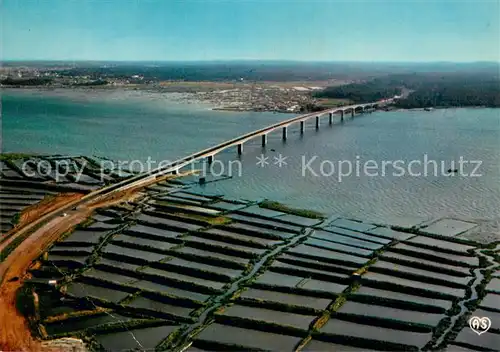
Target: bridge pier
[
  {"x": 240, "y": 148},
  {"x": 330, "y": 118},
  {"x": 302, "y": 127},
  {"x": 342, "y": 115},
  {"x": 210, "y": 159},
  {"x": 264, "y": 140},
  {"x": 352, "y": 113},
  {"x": 285, "y": 132},
  {"x": 317, "y": 122}
]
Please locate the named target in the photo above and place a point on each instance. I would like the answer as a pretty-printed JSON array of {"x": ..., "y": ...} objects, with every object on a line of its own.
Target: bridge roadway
[
  {"x": 174, "y": 167},
  {"x": 209, "y": 153},
  {"x": 150, "y": 177}
]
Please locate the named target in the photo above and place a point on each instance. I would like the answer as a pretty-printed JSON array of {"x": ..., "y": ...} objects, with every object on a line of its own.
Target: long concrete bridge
[
  {"x": 238, "y": 142},
  {"x": 302, "y": 119}
]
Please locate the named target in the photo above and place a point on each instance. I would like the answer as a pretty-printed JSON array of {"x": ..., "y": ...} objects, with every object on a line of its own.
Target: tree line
[
  {"x": 454, "y": 92},
  {"x": 35, "y": 81},
  {"x": 427, "y": 90}
]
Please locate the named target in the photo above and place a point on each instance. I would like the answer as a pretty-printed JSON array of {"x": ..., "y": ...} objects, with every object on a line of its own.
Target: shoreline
[
  {"x": 152, "y": 93},
  {"x": 212, "y": 102}
]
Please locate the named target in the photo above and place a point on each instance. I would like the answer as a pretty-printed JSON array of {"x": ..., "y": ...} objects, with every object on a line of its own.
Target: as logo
[{"x": 480, "y": 325}]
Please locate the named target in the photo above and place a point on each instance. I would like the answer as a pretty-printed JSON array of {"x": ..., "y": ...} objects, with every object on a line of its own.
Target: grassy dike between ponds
[
  {"x": 15, "y": 156},
  {"x": 207, "y": 315},
  {"x": 459, "y": 314},
  {"x": 272, "y": 205},
  {"x": 260, "y": 267}
]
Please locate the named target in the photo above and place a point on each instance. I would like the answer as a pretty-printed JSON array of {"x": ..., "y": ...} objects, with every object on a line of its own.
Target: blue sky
[{"x": 327, "y": 30}]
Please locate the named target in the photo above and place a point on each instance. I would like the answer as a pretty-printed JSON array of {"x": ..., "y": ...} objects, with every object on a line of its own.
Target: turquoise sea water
[
  {"x": 141, "y": 125},
  {"x": 117, "y": 125}
]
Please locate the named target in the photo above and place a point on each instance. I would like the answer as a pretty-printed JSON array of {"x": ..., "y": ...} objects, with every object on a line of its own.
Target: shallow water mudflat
[
  {"x": 210, "y": 287},
  {"x": 122, "y": 125}
]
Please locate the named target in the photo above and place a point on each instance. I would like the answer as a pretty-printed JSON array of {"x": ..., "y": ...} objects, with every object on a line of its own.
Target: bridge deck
[{"x": 177, "y": 165}]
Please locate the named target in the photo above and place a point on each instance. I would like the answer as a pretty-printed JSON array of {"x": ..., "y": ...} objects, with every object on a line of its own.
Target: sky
[{"x": 309, "y": 30}]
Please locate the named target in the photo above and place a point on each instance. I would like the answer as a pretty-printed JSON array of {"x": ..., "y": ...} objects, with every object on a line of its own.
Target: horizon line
[
  {"x": 243, "y": 59},
  {"x": 251, "y": 60}
]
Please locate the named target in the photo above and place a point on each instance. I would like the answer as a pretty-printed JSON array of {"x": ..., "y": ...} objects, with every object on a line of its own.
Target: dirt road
[
  {"x": 36, "y": 211},
  {"x": 15, "y": 334}
]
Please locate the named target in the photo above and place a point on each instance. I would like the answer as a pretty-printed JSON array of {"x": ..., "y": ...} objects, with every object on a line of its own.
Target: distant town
[
  {"x": 272, "y": 86},
  {"x": 239, "y": 94}
]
